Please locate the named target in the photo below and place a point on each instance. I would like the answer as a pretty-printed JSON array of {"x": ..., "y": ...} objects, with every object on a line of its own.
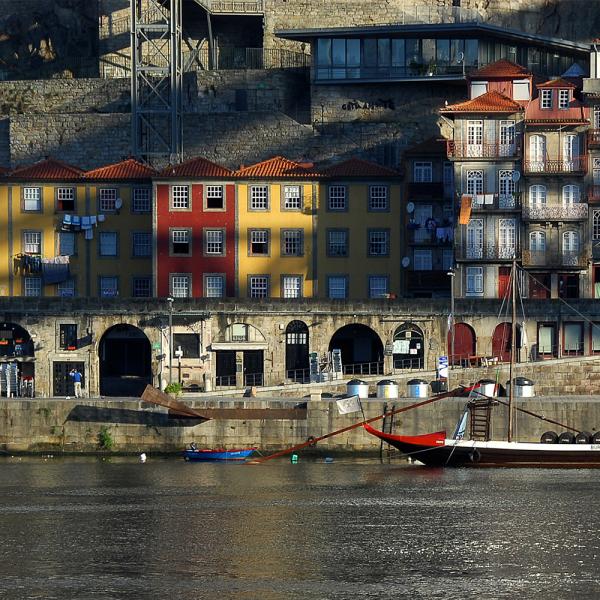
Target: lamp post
[
  {"x": 170, "y": 301},
  {"x": 451, "y": 274}
]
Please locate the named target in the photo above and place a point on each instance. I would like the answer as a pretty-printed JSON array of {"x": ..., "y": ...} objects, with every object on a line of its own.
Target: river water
[{"x": 166, "y": 529}]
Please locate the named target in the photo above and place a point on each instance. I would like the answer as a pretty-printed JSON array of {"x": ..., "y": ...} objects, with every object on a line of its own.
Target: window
[
  {"x": 141, "y": 200},
  {"x": 108, "y": 199},
  {"x": 537, "y": 241},
  {"x": 507, "y": 229},
  {"x": 68, "y": 336},
  {"x": 32, "y": 242},
  {"x": 292, "y": 199},
  {"x": 596, "y": 171},
  {"x": 475, "y": 138},
  {"x": 573, "y": 337},
  {"x": 423, "y": 260},
  {"x": 336, "y": 197},
  {"x": 141, "y": 287},
  {"x": 180, "y": 197},
  {"x": 337, "y": 242},
  {"x": 259, "y": 286},
  {"x": 378, "y": 286},
  {"x": 423, "y": 172},
  {"x": 214, "y": 286},
  {"x": 474, "y": 182},
  {"x": 570, "y": 242},
  {"x": 506, "y": 189},
  {"x": 563, "y": 99},
  {"x": 537, "y": 153},
  {"x": 475, "y": 238},
  {"x": 537, "y": 195},
  {"x": 259, "y": 242},
  {"x": 188, "y": 343},
  {"x": 570, "y": 152},
  {"x": 292, "y": 286},
  {"x": 478, "y": 88},
  {"x": 180, "y": 242},
  {"x": 259, "y": 197},
  {"x": 507, "y": 138},
  {"x": 521, "y": 89},
  {"x": 142, "y": 244},
  {"x": 66, "y": 243},
  {"x": 378, "y": 243},
  {"x": 546, "y": 99},
  {"x": 596, "y": 225},
  {"x": 65, "y": 198},
  {"x": 447, "y": 259},
  {"x": 474, "y": 278},
  {"x": 570, "y": 195},
  {"x": 66, "y": 289},
  {"x": 215, "y": 199},
  {"x": 337, "y": 287},
  {"x": 181, "y": 286},
  {"x": 32, "y": 199},
  {"x": 109, "y": 287},
  {"x": 292, "y": 242},
  {"x": 214, "y": 242},
  {"x": 378, "y": 197},
  {"x": 108, "y": 243},
  {"x": 32, "y": 286}
]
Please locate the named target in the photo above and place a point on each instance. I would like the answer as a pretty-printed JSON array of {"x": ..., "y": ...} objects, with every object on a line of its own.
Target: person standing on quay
[{"x": 75, "y": 375}]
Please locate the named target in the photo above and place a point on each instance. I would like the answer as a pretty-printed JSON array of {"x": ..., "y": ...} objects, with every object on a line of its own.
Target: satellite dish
[
  {"x": 405, "y": 261},
  {"x": 516, "y": 176},
  {"x": 460, "y": 57},
  {"x": 118, "y": 203},
  {"x": 410, "y": 207}
]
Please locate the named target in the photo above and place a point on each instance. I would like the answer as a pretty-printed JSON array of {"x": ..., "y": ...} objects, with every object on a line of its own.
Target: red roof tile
[
  {"x": 488, "y": 102},
  {"x": 278, "y": 168},
  {"x": 355, "y": 167},
  {"x": 501, "y": 68},
  {"x": 197, "y": 168},
  {"x": 48, "y": 169},
  {"x": 126, "y": 169},
  {"x": 556, "y": 83},
  {"x": 433, "y": 145}
]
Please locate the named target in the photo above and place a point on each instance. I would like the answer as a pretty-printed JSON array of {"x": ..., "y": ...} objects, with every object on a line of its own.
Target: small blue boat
[{"x": 193, "y": 454}]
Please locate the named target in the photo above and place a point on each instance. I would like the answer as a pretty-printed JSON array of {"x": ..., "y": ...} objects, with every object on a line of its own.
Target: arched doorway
[
  {"x": 17, "y": 369},
  {"x": 296, "y": 351},
  {"x": 502, "y": 342},
  {"x": 361, "y": 349},
  {"x": 465, "y": 344},
  {"x": 125, "y": 361},
  {"x": 408, "y": 347}
]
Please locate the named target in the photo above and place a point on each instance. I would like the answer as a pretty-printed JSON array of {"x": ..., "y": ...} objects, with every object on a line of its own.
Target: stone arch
[
  {"x": 361, "y": 348},
  {"x": 409, "y": 347},
  {"x": 16, "y": 360},
  {"x": 243, "y": 332},
  {"x": 465, "y": 343}
]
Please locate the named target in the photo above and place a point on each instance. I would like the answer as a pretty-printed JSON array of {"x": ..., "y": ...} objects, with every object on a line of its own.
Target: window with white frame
[
  {"x": 506, "y": 188},
  {"x": 66, "y": 289},
  {"x": 537, "y": 241},
  {"x": 181, "y": 242},
  {"x": 141, "y": 200},
  {"x": 66, "y": 243},
  {"x": 378, "y": 243},
  {"x": 546, "y": 99},
  {"x": 292, "y": 286},
  {"x": 337, "y": 287},
  {"x": 109, "y": 287},
  {"x": 475, "y": 182},
  {"x": 180, "y": 197},
  {"x": 378, "y": 197},
  {"x": 423, "y": 172},
  {"x": 336, "y": 197},
  {"x": 570, "y": 242},
  {"x": 537, "y": 153},
  {"x": 32, "y": 199},
  {"x": 141, "y": 287},
  {"x": 507, "y": 238},
  {"x": 215, "y": 198},
  {"x": 259, "y": 286},
  {"x": 65, "y": 198},
  {"x": 378, "y": 286},
  {"x": 337, "y": 242},
  {"x": 475, "y": 138},
  {"x": 142, "y": 244},
  {"x": 107, "y": 199},
  {"x": 32, "y": 286},
  {"x": 474, "y": 281},
  {"x": 475, "y": 238},
  {"x": 292, "y": 242},
  {"x": 447, "y": 259},
  {"x": 214, "y": 241},
  {"x": 32, "y": 242},
  {"x": 570, "y": 194},
  {"x": 214, "y": 286},
  {"x": 422, "y": 260},
  {"x": 181, "y": 286},
  {"x": 596, "y": 225},
  {"x": 259, "y": 242},
  {"x": 292, "y": 198},
  {"x": 108, "y": 243},
  {"x": 537, "y": 195},
  {"x": 259, "y": 197},
  {"x": 596, "y": 171},
  {"x": 563, "y": 99}
]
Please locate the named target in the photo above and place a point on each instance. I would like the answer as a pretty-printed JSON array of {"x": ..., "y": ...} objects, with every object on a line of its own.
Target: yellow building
[
  {"x": 359, "y": 234},
  {"x": 276, "y": 209}
]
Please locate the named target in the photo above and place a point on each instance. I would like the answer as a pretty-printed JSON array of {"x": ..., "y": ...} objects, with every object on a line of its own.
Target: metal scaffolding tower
[{"x": 156, "y": 79}]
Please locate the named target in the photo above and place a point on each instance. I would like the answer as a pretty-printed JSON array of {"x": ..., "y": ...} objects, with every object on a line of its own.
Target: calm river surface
[{"x": 88, "y": 528}]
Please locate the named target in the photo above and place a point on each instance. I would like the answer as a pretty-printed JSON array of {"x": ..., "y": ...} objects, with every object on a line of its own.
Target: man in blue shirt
[{"x": 75, "y": 375}]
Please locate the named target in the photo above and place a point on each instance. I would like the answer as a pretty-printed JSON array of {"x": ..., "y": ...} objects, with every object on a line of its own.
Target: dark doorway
[
  {"x": 502, "y": 342},
  {"x": 503, "y": 281},
  {"x": 225, "y": 368},
  {"x": 62, "y": 384},
  {"x": 464, "y": 344},
  {"x": 15, "y": 341},
  {"x": 296, "y": 351},
  {"x": 408, "y": 347},
  {"x": 125, "y": 361},
  {"x": 568, "y": 285},
  {"x": 361, "y": 348},
  {"x": 539, "y": 286},
  {"x": 253, "y": 367}
]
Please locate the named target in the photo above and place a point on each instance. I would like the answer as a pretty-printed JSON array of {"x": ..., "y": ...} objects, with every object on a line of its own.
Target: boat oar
[{"x": 312, "y": 441}]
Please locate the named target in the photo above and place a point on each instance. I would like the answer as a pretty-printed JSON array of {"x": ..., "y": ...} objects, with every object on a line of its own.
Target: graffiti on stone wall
[{"x": 388, "y": 104}]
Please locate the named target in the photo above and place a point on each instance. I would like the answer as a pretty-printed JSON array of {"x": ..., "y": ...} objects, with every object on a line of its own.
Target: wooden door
[
  {"x": 503, "y": 281},
  {"x": 464, "y": 343}
]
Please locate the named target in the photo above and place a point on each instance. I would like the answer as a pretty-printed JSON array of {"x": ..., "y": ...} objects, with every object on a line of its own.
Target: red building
[{"x": 194, "y": 223}]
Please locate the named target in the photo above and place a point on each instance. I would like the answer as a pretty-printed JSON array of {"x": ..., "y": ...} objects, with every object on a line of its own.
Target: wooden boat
[{"x": 194, "y": 454}]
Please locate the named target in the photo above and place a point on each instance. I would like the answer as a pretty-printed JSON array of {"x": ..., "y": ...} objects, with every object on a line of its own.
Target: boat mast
[{"x": 513, "y": 347}]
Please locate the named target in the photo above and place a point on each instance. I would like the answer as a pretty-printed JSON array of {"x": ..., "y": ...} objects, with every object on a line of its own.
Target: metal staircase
[
  {"x": 480, "y": 418},
  {"x": 232, "y": 7}
]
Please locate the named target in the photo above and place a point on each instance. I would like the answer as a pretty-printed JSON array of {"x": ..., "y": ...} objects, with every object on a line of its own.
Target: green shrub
[
  {"x": 174, "y": 388},
  {"x": 105, "y": 440}
]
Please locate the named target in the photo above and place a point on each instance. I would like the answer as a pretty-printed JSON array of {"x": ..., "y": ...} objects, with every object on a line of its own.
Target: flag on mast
[{"x": 348, "y": 405}]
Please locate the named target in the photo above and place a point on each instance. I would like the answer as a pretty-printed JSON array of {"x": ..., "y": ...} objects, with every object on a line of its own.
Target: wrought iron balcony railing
[
  {"x": 486, "y": 252},
  {"x": 482, "y": 202},
  {"x": 593, "y": 137},
  {"x": 552, "y": 258},
  {"x": 493, "y": 150},
  {"x": 544, "y": 212},
  {"x": 577, "y": 164}
]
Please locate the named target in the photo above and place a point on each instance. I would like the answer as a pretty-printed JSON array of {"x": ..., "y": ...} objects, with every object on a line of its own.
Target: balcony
[
  {"x": 502, "y": 202},
  {"x": 576, "y": 165},
  {"x": 494, "y": 150},
  {"x": 545, "y": 212},
  {"x": 594, "y": 194},
  {"x": 593, "y": 138},
  {"x": 486, "y": 252},
  {"x": 441, "y": 236},
  {"x": 552, "y": 258},
  {"x": 428, "y": 189}
]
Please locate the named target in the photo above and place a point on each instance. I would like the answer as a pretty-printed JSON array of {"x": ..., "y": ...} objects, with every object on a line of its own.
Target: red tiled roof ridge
[
  {"x": 490, "y": 101},
  {"x": 198, "y": 166},
  {"x": 48, "y": 168},
  {"x": 557, "y": 82},
  {"x": 130, "y": 168},
  {"x": 277, "y": 166},
  {"x": 358, "y": 167},
  {"x": 501, "y": 68}
]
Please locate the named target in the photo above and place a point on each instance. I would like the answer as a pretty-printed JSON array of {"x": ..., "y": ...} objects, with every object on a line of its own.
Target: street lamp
[
  {"x": 451, "y": 273},
  {"x": 170, "y": 301}
]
